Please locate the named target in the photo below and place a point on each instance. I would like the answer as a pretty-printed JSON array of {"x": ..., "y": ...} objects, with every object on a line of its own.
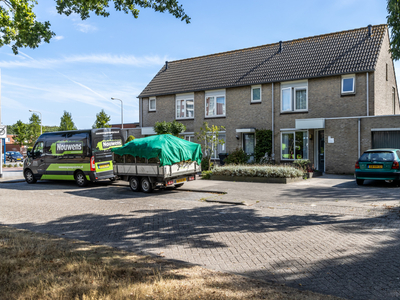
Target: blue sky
[{"x": 93, "y": 60}]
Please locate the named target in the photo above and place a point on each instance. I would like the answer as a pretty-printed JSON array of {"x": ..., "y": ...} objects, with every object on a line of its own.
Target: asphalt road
[{"x": 327, "y": 234}]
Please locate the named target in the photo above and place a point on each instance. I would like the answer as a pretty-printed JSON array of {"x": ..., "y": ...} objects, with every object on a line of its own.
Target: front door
[
  {"x": 321, "y": 151},
  {"x": 38, "y": 163},
  {"x": 249, "y": 144}
]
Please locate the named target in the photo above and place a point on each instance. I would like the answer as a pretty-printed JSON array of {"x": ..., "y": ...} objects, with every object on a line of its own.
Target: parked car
[
  {"x": 15, "y": 156},
  {"x": 378, "y": 164}
]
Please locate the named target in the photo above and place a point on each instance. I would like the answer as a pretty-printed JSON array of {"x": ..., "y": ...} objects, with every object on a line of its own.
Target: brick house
[
  {"x": 326, "y": 98},
  {"x": 12, "y": 145}
]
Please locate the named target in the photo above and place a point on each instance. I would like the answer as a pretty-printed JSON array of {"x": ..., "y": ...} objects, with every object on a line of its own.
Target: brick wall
[{"x": 342, "y": 155}]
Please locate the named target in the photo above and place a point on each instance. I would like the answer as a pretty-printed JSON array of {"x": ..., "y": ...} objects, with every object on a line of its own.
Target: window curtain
[{"x": 301, "y": 99}]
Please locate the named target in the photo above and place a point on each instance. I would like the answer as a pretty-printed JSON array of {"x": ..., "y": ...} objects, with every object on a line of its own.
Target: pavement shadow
[{"x": 371, "y": 274}]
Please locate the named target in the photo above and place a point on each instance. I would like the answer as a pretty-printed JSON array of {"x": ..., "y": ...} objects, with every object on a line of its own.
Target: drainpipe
[
  {"x": 273, "y": 127},
  {"x": 367, "y": 95},
  {"x": 359, "y": 137}
]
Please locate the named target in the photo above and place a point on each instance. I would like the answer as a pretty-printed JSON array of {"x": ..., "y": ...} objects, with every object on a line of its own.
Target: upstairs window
[
  {"x": 185, "y": 106},
  {"x": 152, "y": 104},
  {"x": 256, "y": 93},
  {"x": 215, "y": 104},
  {"x": 348, "y": 84},
  {"x": 294, "y": 96}
]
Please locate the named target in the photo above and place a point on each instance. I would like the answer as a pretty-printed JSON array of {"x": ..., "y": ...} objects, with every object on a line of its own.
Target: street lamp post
[
  {"x": 122, "y": 112},
  {"x": 35, "y": 111}
]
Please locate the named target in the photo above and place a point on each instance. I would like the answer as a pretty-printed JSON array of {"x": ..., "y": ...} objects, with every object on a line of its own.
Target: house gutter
[{"x": 273, "y": 127}]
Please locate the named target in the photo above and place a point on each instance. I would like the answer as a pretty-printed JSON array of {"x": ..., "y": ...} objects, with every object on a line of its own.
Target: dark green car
[{"x": 378, "y": 164}]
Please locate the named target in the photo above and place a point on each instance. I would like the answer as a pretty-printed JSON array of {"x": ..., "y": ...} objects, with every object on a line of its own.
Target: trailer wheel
[
  {"x": 80, "y": 179},
  {"x": 134, "y": 184},
  {"x": 146, "y": 185}
]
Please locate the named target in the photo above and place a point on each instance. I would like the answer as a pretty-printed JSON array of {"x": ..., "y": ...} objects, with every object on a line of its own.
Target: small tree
[
  {"x": 102, "y": 120},
  {"x": 130, "y": 138},
  {"x": 210, "y": 136},
  {"x": 20, "y": 131},
  {"x": 174, "y": 128},
  {"x": 66, "y": 122}
]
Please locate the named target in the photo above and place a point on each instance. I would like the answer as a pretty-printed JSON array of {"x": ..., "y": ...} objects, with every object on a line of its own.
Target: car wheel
[
  {"x": 29, "y": 177},
  {"x": 360, "y": 181},
  {"x": 134, "y": 184},
  {"x": 178, "y": 185},
  {"x": 146, "y": 185},
  {"x": 80, "y": 179}
]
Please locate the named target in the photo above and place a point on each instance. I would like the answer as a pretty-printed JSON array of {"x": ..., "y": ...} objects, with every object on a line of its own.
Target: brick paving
[{"x": 347, "y": 248}]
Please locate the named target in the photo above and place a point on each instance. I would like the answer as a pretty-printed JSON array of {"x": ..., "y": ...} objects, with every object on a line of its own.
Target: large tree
[
  {"x": 66, "y": 122},
  {"x": 19, "y": 27},
  {"x": 33, "y": 131},
  {"x": 102, "y": 120},
  {"x": 393, "y": 20}
]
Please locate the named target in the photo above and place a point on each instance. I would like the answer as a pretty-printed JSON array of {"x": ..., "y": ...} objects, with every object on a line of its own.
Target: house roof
[{"x": 350, "y": 51}]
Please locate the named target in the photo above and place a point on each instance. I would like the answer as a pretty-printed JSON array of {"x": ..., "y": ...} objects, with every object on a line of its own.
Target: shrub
[
  {"x": 279, "y": 171},
  {"x": 302, "y": 163},
  {"x": 263, "y": 144},
  {"x": 204, "y": 163},
  {"x": 206, "y": 174},
  {"x": 130, "y": 138},
  {"x": 237, "y": 157}
]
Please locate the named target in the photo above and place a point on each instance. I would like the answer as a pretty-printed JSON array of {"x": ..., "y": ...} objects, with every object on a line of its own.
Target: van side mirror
[{"x": 29, "y": 154}]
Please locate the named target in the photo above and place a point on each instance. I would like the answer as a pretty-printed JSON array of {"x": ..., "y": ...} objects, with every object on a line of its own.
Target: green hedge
[
  {"x": 263, "y": 143},
  {"x": 271, "y": 171}
]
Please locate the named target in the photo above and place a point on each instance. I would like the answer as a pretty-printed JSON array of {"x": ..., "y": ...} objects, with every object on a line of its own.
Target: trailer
[{"x": 159, "y": 161}]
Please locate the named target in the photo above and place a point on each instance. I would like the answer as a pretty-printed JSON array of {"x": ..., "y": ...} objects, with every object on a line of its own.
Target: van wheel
[
  {"x": 360, "y": 181},
  {"x": 80, "y": 179},
  {"x": 146, "y": 185},
  {"x": 134, "y": 184},
  {"x": 29, "y": 176}
]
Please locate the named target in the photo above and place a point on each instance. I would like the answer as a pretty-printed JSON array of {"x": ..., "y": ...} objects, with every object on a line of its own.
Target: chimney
[
  {"x": 166, "y": 65},
  {"x": 280, "y": 47},
  {"x": 369, "y": 30}
]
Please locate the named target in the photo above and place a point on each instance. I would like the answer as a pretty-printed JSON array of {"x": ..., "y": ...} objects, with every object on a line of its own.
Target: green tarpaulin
[{"x": 166, "y": 147}]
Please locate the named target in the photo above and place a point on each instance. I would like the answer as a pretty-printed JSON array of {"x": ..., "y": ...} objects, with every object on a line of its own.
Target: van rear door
[{"x": 102, "y": 141}]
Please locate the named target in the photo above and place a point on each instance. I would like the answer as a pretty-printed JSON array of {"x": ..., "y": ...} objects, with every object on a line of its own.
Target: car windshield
[{"x": 381, "y": 156}]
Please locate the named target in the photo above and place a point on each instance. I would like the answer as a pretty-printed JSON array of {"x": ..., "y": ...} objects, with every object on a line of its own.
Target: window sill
[
  {"x": 183, "y": 119},
  {"x": 347, "y": 95},
  {"x": 294, "y": 112},
  {"x": 255, "y": 102},
  {"x": 214, "y": 117},
  {"x": 152, "y": 111}
]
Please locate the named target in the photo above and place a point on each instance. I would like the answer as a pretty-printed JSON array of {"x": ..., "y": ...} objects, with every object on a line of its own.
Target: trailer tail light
[
  {"x": 395, "y": 165},
  {"x": 191, "y": 178},
  {"x": 92, "y": 164},
  {"x": 357, "y": 165},
  {"x": 171, "y": 182}
]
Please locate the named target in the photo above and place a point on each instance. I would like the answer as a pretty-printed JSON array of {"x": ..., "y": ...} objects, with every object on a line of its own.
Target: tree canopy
[
  {"x": 66, "y": 122},
  {"x": 174, "y": 128},
  {"x": 393, "y": 20},
  {"x": 19, "y": 27},
  {"x": 102, "y": 120}
]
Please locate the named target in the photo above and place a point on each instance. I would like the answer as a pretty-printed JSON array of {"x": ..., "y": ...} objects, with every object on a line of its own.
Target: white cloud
[
  {"x": 58, "y": 37},
  {"x": 85, "y": 27}
]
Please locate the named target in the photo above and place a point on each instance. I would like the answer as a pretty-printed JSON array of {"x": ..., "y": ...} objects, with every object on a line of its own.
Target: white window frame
[
  {"x": 293, "y": 86},
  {"x": 185, "y": 98},
  {"x": 215, "y": 94},
  {"x": 294, "y": 137},
  {"x": 155, "y": 104},
  {"x": 353, "y": 76},
  {"x": 253, "y": 87}
]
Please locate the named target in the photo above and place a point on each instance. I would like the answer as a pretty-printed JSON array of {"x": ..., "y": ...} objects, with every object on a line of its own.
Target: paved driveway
[{"x": 326, "y": 234}]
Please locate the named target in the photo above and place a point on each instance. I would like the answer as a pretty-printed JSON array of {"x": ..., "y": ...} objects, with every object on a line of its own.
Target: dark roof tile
[{"x": 325, "y": 55}]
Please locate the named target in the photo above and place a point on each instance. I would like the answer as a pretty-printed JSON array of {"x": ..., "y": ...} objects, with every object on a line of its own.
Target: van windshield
[{"x": 380, "y": 156}]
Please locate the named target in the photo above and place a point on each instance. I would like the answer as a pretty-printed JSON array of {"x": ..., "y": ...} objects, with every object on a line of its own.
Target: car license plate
[
  {"x": 104, "y": 166},
  {"x": 375, "y": 166},
  {"x": 180, "y": 180}
]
